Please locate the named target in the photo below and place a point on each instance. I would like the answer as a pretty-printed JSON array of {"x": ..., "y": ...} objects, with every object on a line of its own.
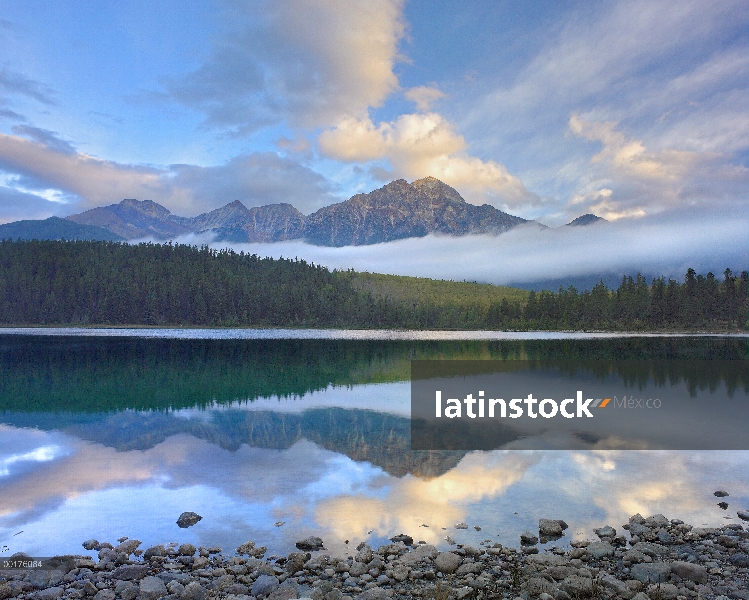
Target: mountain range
[{"x": 395, "y": 211}]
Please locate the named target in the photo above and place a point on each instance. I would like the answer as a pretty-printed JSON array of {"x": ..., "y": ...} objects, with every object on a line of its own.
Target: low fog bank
[{"x": 533, "y": 258}]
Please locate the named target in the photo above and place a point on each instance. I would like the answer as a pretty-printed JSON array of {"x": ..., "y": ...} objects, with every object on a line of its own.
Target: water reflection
[{"x": 321, "y": 446}]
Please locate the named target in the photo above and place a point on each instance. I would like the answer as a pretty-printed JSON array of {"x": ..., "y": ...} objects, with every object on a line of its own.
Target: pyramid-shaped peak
[{"x": 436, "y": 189}]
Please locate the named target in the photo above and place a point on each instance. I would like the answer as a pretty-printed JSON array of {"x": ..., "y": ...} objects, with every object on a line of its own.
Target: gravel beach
[{"x": 651, "y": 558}]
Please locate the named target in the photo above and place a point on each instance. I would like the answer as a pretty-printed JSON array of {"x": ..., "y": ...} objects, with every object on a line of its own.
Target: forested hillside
[{"x": 108, "y": 283}]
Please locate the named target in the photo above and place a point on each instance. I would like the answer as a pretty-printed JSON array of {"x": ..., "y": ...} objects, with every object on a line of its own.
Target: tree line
[{"x": 112, "y": 283}]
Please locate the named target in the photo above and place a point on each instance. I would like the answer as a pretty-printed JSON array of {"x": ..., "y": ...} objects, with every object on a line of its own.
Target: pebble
[{"x": 669, "y": 560}]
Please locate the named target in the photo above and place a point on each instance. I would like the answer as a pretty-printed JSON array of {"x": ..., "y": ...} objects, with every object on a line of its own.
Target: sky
[{"x": 637, "y": 111}]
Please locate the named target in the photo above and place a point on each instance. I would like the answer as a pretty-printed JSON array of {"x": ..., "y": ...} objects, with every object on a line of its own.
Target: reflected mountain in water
[{"x": 379, "y": 438}]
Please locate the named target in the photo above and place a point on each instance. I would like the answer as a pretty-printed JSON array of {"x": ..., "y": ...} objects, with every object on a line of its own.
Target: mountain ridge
[{"x": 397, "y": 210}]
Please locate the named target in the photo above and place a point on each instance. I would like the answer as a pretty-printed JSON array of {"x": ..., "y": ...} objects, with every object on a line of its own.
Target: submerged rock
[{"x": 188, "y": 519}]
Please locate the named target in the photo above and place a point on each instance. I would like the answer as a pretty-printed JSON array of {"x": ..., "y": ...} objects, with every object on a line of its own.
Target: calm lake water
[{"x": 113, "y": 433}]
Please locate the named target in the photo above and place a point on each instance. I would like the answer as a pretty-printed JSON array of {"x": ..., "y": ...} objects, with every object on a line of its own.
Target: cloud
[
  {"x": 650, "y": 181},
  {"x": 46, "y": 163},
  {"x": 16, "y": 205},
  {"x": 664, "y": 245},
  {"x": 424, "y": 96},
  {"x": 305, "y": 62},
  {"x": 17, "y": 83},
  {"x": 44, "y": 137},
  {"x": 417, "y": 145},
  {"x": 673, "y": 77},
  {"x": 255, "y": 179},
  {"x": 440, "y": 501}
]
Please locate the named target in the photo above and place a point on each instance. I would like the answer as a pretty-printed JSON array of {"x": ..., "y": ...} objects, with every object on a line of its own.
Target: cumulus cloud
[
  {"x": 416, "y": 145},
  {"x": 306, "y": 62},
  {"x": 46, "y": 163},
  {"x": 424, "y": 96},
  {"x": 665, "y": 245}
]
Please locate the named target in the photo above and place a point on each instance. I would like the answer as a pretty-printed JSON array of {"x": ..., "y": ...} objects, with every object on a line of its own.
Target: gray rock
[
  {"x": 52, "y": 593},
  {"x": 666, "y": 591},
  {"x": 691, "y": 571},
  {"x": 91, "y": 545},
  {"x": 310, "y": 543},
  {"x": 364, "y": 553},
  {"x": 606, "y": 531},
  {"x": 619, "y": 587},
  {"x": 264, "y": 585},
  {"x": 657, "y": 521},
  {"x": 188, "y": 519},
  {"x": 402, "y": 537},
  {"x": 186, "y": 550},
  {"x": 655, "y": 572},
  {"x": 528, "y": 538},
  {"x": 633, "y": 556},
  {"x": 175, "y": 587},
  {"x": 374, "y": 593},
  {"x": 152, "y": 588},
  {"x": 743, "y": 515},
  {"x": 720, "y": 494},
  {"x": 246, "y": 548},
  {"x": 447, "y": 562},
  {"x": 5, "y": 591},
  {"x": 105, "y": 594},
  {"x": 600, "y": 549},
  {"x": 638, "y": 529},
  {"x": 461, "y": 526},
  {"x": 538, "y": 585},
  {"x": 463, "y": 592},
  {"x": 740, "y": 559},
  {"x": 128, "y": 547},
  {"x": 465, "y": 568},
  {"x": 577, "y": 586},
  {"x": 286, "y": 591},
  {"x": 400, "y": 573},
  {"x": 154, "y": 551},
  {"x": 562, "y": 595},
  {"x": 664, "y": 537},
  {"x": 130, "y": 572},
  {"x": 547, "y": 559},
  {"x": 650, "y": 548},
  {"x": 425, "y": 552},
  {"x": 641, "y": 596},
  {"x": 194, "y": 591},
  {"x": 549, "y": 528},
  {"x": 41, "y": 579},
  {"x": 357, "y": 569}
]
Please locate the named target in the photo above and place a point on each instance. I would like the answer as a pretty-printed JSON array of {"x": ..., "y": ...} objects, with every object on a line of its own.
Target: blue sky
[{"x": 631, "y": 110}]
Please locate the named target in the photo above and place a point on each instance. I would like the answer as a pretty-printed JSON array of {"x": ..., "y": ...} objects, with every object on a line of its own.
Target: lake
[{"x": 274, "y": 435}]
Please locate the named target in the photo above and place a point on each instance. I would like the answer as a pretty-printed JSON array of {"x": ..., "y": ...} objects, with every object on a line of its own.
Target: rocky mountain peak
[
  {"x": 146, "y": 207},
  {"x": 586, "y": 219},
  {"x": 436, "y": 189}
]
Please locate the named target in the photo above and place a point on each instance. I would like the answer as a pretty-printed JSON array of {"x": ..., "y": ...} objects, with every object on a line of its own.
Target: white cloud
[
  {"x": 87, "y": 181},
  {"x": 646, "y": 181},
  {"x": 417, "y": 145},
  {"x": 424, "y": 96},
  {"x": 306, "y": 62}
]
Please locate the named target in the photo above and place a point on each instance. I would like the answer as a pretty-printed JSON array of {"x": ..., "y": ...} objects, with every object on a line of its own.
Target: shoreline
[
  {"x": 650, "y": 558},
  {"x": 332, "y": 334}
]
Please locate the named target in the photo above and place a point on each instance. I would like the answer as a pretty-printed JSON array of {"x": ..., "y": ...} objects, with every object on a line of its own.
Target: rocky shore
[{"x": 650, "y": 558}]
